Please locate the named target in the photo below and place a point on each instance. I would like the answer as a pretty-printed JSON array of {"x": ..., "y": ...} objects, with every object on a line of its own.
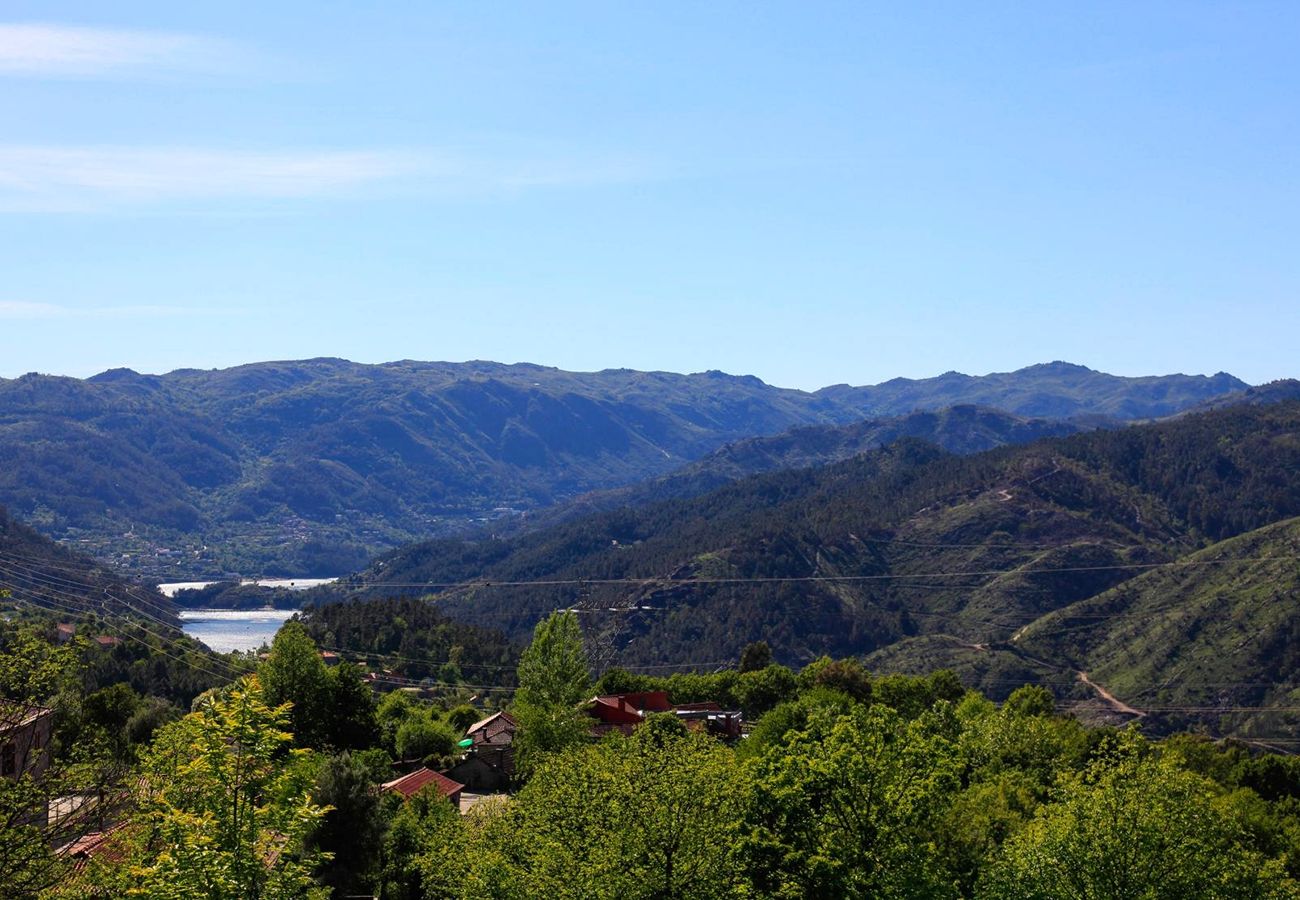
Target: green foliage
[
  {"x": 294, "y": 673},
  {"x": 426, "y": 852},
  {"x": 330, "y": 707},
  {"x": 352, "y": 830},
  {"x": 647, "y": 817},
  {"x": 394, "y": 708},
  {"x": 352, "y": 720},
  {"x": 553, "y": 670},
  {"x": 1031, "y": 700},
  {"x": 758, "y": 691},
  {"x": 462, "y": 717},
  {"x": 553, "y": 681},
  {"x": 224, "y": 807},
  {"x": 419, "y": 737},
  {"x": 913, "y": 696},
  {"x": 844, "y": 675},
  {"x": 845, "y": 808},
  {"x": 755, "y": 656},
  {"x": 1134, "y": 825}
]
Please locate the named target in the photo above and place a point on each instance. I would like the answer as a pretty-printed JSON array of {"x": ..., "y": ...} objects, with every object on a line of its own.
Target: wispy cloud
[
  {"x": 92, "y": 179},
  {"x": 89, "y": 178},
  {"x": 67, "y": 51},
  {"x": 21, "y": 309}
]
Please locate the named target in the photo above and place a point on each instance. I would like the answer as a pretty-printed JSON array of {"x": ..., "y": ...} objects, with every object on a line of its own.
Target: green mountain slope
[
  {"x": 958, "y": 429},
  {"x": 898, "y": 543},
  {"x": 308, "y": 467},
  {"x": 1205, "y": 640},
  {"x": 43, "y": 575}
]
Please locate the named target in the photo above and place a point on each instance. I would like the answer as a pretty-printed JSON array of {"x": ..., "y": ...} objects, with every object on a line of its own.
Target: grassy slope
[{"x": 1223, "y": 631}]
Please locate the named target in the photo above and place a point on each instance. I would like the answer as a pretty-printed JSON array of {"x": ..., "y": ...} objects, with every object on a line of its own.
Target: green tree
[
  {"x": 294, "y": 673},
  {"x": 845, "y": 807},
  {"x": 352, "y": 723},
  {"x": 224, "y": 807},
  {"x": 352, "y": 830},
  {"x": 755, "y": 656},
  {"x": 844, "y": 675},
  {"x": 650, "y": 816},
  {"x": 553, "y": 682},
  {"x": 425, "y": 851},
  {"x": 462, "y": 717},
  {"x": 763, "y": 689},
  {"x": 420, "y": 737},
  {"x": 1031, "y": 700},
  {"x": 1134, "y": 824},
  {"x": 394, "y": 709}
]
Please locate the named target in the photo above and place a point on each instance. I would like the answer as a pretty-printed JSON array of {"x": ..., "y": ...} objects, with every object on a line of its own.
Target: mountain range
[
  {"x": 1157, "y": 559},
  {"x": 310, "y": 467}
]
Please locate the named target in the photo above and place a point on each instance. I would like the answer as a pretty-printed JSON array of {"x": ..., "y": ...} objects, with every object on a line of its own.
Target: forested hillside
[
  {"x": 957, "y": 429},
  {"x": 304, "y": 468},
  {"x": 43, "y": 574},
  {"x": 937, "y": 557}
]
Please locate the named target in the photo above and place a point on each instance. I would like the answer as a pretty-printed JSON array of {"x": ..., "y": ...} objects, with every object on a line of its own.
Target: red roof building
[
  {"x": 410, "y": 785},
  {"x": 628, "y": 709},
  {"x": 623, "y": 712}
]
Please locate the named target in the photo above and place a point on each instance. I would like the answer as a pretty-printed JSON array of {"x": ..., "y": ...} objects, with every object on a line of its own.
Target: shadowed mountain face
[
  {"x": 307, "y": 467},
  {"x": 39, "y": 573},
  {"x": 1025, "y": 563}
]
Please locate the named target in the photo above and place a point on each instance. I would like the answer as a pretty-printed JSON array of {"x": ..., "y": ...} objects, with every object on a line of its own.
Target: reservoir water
[
  {"x": 294, "y": 584},
  {"x": 225, "y": 630}
]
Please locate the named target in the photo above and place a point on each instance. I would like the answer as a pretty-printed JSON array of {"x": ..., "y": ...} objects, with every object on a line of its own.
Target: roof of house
[
  {"x": 15, "y": 715},
  {"x": 628, "y": 708},
  {"x": 107, "y": 845},
  {"x": 107, "y": 640},
  {"x": 483, "y": 723},
  {"x": 409, "y": 785},
  {"x": 92, "y": 844}
]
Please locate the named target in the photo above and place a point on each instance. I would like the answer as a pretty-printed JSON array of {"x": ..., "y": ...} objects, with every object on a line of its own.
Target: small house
[
  {"x": 409, "y": 785},
  {"x": 497, "y": 730},
  {"x": 24, "y": 740},
  {"x": 489, "y": 764}
]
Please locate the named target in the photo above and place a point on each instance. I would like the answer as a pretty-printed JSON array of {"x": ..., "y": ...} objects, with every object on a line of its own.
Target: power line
[
  {"x": 42, "y": 592},
  {"x": 647, "y": 581},
  {"x": 191, "y": 663},
  {"x": 50, "y": 582},
  {"x": 46, "y": 565}
]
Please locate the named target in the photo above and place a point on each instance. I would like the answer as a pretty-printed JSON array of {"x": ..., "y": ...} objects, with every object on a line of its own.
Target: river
[{"x": 225, "y": 630}]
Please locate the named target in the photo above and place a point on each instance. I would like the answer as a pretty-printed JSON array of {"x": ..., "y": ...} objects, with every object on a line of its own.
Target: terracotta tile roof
[
  {"x": 409, "y": 785},
  {"x": 104, "y": 845}
]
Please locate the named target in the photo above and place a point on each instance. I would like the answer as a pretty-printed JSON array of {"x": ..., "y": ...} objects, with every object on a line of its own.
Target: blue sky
[{"x": 812, "y": 193}]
